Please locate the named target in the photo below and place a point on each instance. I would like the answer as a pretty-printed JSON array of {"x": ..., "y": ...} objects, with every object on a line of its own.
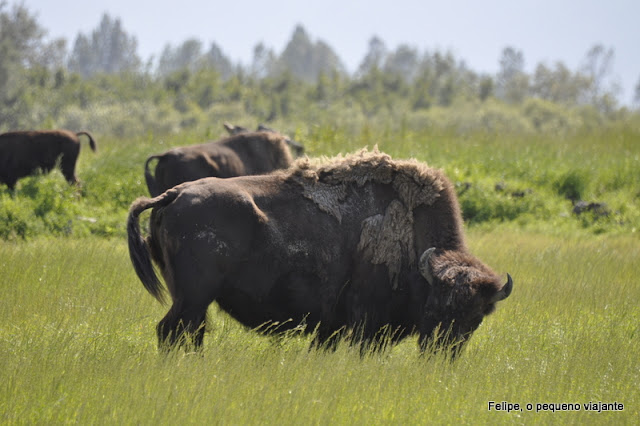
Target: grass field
[
  {"x": 78, "y": 346},
  {"x": 77, "y": 336}
]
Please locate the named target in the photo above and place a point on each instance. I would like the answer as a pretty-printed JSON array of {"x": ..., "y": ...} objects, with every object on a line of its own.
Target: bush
[
  {"x": 571, "y": 185},
  {"x": 480, "y": 204}
]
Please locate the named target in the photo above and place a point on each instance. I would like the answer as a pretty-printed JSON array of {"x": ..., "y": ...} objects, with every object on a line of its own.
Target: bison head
[{"x": 461, "y": 291}]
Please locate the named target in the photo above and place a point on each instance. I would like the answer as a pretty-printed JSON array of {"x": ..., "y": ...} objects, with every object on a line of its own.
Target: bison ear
[
  {"x": 229, "y": 127},
  {"x": 504, "y": 292},
  {"x": 233, "y": 130},
  {"x": 425, "y": 265}
]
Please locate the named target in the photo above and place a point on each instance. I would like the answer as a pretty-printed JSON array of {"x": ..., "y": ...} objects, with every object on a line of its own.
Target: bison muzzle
[{"x": 348, "y": 247}]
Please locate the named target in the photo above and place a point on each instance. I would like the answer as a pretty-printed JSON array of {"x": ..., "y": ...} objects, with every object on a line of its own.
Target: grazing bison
[
  {"x": 246, "y": 153},
  {"x": 23, "y": 153},
  {"x": 361, "y": 243},
  {"x": 296, "y": 147}
]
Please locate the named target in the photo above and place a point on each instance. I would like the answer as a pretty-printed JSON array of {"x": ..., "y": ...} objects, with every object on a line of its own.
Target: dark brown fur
[
  {"x": 23, "y": 153},
  {"x": 247, "y": 153},
  {"x": 296, "y": 147},
  {"x": 362, "y": 243}
]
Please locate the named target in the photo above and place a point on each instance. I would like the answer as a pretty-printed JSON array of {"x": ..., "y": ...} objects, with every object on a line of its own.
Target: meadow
[{"x": 78, "y": 338}]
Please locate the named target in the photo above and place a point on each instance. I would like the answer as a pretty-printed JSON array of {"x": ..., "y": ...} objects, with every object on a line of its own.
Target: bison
[
  {"x": 22, "y": 153},
  {"x": 351, "y": 247},
  {"x": 246, "y": 153},
  {"x": 296, "y": 147}
]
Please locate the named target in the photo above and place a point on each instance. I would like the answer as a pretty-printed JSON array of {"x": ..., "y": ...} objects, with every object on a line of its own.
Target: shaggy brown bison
[
  {"x": 358, "y": 244},
  {"x": 23, "y": 153},
  {"x": 246, "y": 153}
]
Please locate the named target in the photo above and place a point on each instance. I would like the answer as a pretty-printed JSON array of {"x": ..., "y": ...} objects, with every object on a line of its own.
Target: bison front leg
[{"x": 183, "y": 326}]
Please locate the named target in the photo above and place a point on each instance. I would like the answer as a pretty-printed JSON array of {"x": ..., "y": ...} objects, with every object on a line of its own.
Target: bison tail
[
  {"x": 92, "y": 142},
  {"x": 150, "y": 179},
  {"x": 139, "y": 251}
]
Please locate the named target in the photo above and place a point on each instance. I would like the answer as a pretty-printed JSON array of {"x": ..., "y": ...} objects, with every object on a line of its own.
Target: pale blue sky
[{"x": 475, "y": 31}]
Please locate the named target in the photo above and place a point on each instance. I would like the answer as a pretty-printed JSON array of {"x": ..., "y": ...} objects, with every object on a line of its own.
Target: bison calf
[
  {"x": 23, "y": 153},
  {"x": 362, "y": 243},
  {"x": 246, "y": 153}
]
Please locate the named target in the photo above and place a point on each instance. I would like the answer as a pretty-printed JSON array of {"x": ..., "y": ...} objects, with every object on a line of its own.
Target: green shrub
[
  {"x": 572, "y": 185},
  {"x": 481, "y": 204}
]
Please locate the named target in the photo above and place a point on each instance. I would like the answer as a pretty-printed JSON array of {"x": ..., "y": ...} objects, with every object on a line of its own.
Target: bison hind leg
[{"x": 183, "y": 326}]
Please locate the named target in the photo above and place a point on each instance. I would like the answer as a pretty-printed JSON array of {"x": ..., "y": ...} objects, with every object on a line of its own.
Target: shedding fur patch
[
  {"x": 388, "y": 240},
  {"x": 324, "y": 180},
  {"x": 327, "y": 197},
  {"x": 385, "y": 239}
]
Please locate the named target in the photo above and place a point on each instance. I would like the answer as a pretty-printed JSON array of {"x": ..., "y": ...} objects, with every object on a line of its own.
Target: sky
[{"x": 546, "y": 31}]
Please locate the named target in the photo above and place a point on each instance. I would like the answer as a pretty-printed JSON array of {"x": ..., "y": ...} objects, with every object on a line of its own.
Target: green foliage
[
  {"x": 527, "y": 181},
  {"x": 45, "y": 204},
  {"x": 571, "y": 185}
]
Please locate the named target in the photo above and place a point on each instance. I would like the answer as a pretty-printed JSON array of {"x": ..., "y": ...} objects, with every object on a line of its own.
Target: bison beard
[
  {"x": 23, "y": 153},
  {"x": 350, "y": 247}
]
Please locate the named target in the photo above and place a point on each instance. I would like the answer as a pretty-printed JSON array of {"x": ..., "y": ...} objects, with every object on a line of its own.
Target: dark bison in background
[
  {"x": 359, "y": 244},
  {"x": 23, "y": 153},
  {"x": 296, "y": 147},
  {"x": 246, "y": 153}
]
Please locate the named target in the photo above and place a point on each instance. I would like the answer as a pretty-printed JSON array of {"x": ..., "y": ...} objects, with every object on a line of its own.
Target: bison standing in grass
[
  {"x": 296, "y": 147},
  {"x": 25, "y": 152},
  {"x": 246, "y": 153},
  {"x": 352, "y": 246}
]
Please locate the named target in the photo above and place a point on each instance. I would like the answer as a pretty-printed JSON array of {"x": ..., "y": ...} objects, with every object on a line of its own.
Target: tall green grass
[
  {"x": 77, "y": 345},
  {"x": 528, "y": 181}
]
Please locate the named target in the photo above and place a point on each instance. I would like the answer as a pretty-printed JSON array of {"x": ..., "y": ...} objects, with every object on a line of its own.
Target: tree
[
  {"x": 559, "y": 85},
  {"x": 297, "y": 56},
  {"x": 485, "y": 88},
  {"x": 375, "y": 57},
  {"x": 513, "y": 82},
  {"x": 597, "y": 66},
  {"x": 217, "y": 60},
  {"x": 403, "y": 62},
  {"x": 20, "y": 35},
  {"x": 636, "y": 94},
  {"x": 186, "y": 56},
  {"x": 189, "y": 56},
  {"x": 109, "y": 50},
  {"x": 306, "y": 60},
  {"x": 264, "y": 61},
  {"x": 23, "y": 54},
  {"x": 440, "y": 79}
]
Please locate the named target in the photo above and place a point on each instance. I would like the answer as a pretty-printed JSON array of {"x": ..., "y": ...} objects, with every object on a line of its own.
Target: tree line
[{"x": 100, "y": 76}]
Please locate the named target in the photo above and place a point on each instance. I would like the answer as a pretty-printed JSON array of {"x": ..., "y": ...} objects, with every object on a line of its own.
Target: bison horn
[
  {"x": 505, "y": 291},
  {"x": 425, "y": 265}
]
